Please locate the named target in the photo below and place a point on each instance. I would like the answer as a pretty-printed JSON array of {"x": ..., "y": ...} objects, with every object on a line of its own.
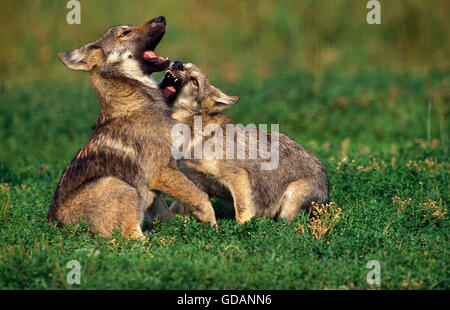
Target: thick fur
[
  {"x": 280, "y": 193},
  {"x": 116, "y": 175}
]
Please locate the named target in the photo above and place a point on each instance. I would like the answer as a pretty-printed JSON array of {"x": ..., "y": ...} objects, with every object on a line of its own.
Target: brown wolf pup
[
  {"x": 298, "y": 180},
  {"x": 115, "y": 176}
]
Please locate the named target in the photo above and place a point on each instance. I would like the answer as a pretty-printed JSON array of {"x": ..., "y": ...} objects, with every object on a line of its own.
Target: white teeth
[{"x": 176, "y": 80}]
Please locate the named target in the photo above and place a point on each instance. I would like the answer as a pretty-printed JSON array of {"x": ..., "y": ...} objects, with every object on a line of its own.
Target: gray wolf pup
[
  {"x": 298, "y": 181},
  {"x": 127, "y": 161}
]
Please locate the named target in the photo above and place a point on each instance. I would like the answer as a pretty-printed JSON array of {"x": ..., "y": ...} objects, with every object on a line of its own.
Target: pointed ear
[
  {"x": 223, "y": 101},
  {"x": 84, "y": 58}
]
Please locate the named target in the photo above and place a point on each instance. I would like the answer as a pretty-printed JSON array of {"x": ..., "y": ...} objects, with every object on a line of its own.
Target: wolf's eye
[
  {"x": 124, "y": 33},
  {"x": 194, "y": 81}
]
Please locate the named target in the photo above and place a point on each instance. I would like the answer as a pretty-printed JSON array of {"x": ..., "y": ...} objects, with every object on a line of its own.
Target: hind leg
[
  {"x": 240, "y": 188},
  {"x": 178, "y": 208},
  {"x": 297, "y": 195},
  {"x": 158, "y": 207},
  {"x": 109, "y": 203}
]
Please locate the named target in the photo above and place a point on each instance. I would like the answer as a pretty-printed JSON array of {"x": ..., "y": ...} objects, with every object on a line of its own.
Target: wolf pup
[
  {"x": 298, "y": 181},
  {"x": 127, "y": 161}
]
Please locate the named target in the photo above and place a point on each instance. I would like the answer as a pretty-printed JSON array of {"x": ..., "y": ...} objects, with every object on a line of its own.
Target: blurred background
[
  {"x": 235, "y": 39},
  {"x": 333, "y": 82}
]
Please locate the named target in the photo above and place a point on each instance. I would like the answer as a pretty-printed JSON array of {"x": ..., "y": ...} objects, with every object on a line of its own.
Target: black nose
[
  {"x": 160, "y": 19},
  {"x": 178, "y": 65}
]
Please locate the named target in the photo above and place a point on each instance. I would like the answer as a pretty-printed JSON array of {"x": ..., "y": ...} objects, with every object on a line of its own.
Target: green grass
[{"x": 395, "y": 125}]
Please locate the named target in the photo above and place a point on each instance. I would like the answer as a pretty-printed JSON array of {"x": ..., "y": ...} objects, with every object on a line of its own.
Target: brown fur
[
  {"x": 115, "y": 176},
  {"x": 280, "y": 193}
]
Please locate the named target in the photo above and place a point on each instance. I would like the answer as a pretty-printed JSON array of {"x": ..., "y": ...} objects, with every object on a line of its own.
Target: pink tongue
[
  {"x": 168, "y": 91},
  {"x": 150, "y": 55}
]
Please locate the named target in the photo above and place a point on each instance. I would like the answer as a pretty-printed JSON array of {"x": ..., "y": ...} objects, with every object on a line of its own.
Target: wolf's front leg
[{"x": 175, "y": 184}]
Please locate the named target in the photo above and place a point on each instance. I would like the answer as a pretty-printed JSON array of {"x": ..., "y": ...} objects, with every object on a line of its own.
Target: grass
[{"x": 382, "y": 136}]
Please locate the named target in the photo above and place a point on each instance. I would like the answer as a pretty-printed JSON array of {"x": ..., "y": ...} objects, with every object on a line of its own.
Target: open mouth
[
  {"x": 151, "y": 57},
  {"x": 170, "y": 85}
]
